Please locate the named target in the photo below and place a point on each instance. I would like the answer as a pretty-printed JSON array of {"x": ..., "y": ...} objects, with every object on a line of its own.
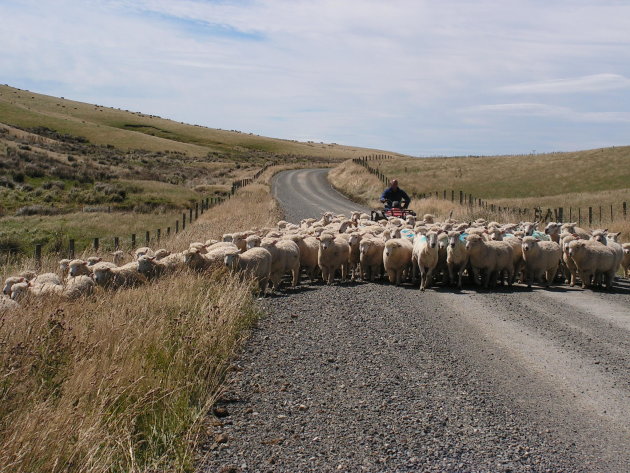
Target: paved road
[
  {"x": 305, "y": 193},
  {"x": 370, "y": 377}
]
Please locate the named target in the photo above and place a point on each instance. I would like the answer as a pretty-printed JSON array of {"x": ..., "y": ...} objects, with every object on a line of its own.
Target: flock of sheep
[{"x": 358, "y": 248}]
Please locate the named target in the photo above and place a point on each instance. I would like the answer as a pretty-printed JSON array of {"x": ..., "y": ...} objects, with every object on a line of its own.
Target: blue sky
[{"x": 425, "y": 78}]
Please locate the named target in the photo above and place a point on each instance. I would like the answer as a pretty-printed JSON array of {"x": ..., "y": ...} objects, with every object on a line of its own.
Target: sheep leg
[{"x": 477, "y": 275}]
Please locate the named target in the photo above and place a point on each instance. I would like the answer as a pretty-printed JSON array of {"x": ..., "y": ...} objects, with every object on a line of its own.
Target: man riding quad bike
[
  {"x": 394, "y": 197},
  {"x": 395, "y": 202}
]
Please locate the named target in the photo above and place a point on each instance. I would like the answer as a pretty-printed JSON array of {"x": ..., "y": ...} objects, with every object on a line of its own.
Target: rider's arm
[
  {"x": 384, "y": 195},
  {"x": 405, "y": 197}
]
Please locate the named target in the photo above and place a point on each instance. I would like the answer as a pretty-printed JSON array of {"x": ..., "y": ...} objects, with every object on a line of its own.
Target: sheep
[
  {"x": 333, "y": 255},
  {"x": 211, "y": 242},
  {"x": 285, "y": 257},
  {"x": 625, "y": 263},
  {"x": 573, "y": 228},
  {"x": 610, "y": 240},
  {"x": 22, "y": 289},
  {"x": 78, "y": 286},
  {"x": 309, "y": 249},
  {"x": 255, "y": 261},
  {"x": 118, "y": 257},
  {"x": 239, "y": 239},
  {"x": 425, "y": 257},
  {"x": 161, "y": 253},
  {"x": 145, "y": 250},
  {"x": 197, "y": 245},
  {"x": 354, "y": 241},
  {"x": 92, "y": 260},
  {"x": 152, "y": 267},
  {"x": 195, "y": 259},
  {"x": 252, "y": 241},
  {"x": 517, "y": 255},
  {"x": 7, "y": 304},
  {"x": 568, "y": 265},
  {"x": 79, "y": 267},
  {"x": 120, "y": 276},
  {"x": 46, "y": 278},
  {"x": 10, "y": 282},
  {"x": 397, "y": 259},
  {"x": 442, "y": 245},
  {"x": 553, "y": 229},
  {"x": 541, "y": 258},
  {"x": 64, "y": 267},
  {"x": 529, "y": 227},
  {"x": 593, "y": 260},
  {"x": 428, "y": 218},
  {"x": 492, "y": 258},
  {"x": 370, "y": 258},
  {"x": 456, "y": 257}
]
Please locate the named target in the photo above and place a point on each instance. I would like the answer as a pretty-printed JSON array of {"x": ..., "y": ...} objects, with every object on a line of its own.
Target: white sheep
[
  {"x": 45, "y": 278},
  {"x": 397, "y": 259},
  {"x": 119, "y": 276},
  {"x": 195, "y": 259},
  {"x": 309, "y": 249},
  {"x": 160, "y": 254},
  {"x": 144, "y": 250},
  {"x": 625, "y": 263},
  {"x": 541, "y": 259},
  {"x": 152, "y": 267},
  {"x": 64, "y": 267},
  {"x": 285, "y": 257},
  {"x": 333, "y": 255},
  {"x": 553, "y": 229},
  {"x": 10, "y": 281},
  {"x": 573, "y": 228},
  {"x": 490, "y": 259},
  {"x": 255, "y": 261},
  {"x": 456, "y": 257},
  {"x": 7, "y": 305},
  {"x": 425, "y": 257},
  {"x": 118, "y": 257},
  {"x": 593, "y": 260},
  {"x": 371, "y": 257},
  {"x": 78, "y": 286},
  {"x": 569, "y": 268},
  {"x": 609, "y": 239}
]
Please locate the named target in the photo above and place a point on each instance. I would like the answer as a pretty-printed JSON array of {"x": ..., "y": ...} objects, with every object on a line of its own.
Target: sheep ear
[
  {"x": 22, "y": 279},
  {"x": 606, "y": 230}
]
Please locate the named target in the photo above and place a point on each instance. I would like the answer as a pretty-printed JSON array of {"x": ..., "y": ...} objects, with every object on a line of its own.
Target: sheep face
[
  {"x": 19, "y": 290},
  {"x": 78, "y": 268},
  {"x": 552, "y": 228},
  {"x": 92, "y": 260},
  {"x": 102, "y": 276},
  {"x": 231, "y": 260},
  {"x": 10, "y": 282},
  {"x": 473, "y": 241},
  {"x": 432, "y": 239},
  {"x": 326, "y": 241},
  {"x": 529, "y": 243},
  {"x": 453, "y": 238},
  {"x": 600, "y": 236},
  {"x": 146, "y": 263}
]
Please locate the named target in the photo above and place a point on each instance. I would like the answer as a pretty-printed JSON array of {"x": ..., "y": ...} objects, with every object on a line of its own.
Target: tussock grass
[
  {"x": 354, "y": 181},
  {"x": 122, "y": 381}
]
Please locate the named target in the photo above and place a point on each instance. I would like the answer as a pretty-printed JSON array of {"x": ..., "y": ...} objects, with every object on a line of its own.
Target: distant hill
[{"x": 127, "y": 130}]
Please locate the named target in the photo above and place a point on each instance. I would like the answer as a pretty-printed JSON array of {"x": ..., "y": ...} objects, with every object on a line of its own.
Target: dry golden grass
[
  {"x": 354, "y": 181},
  {"x": 361, "y": 186},
  {"x": 122, "y": 381}
]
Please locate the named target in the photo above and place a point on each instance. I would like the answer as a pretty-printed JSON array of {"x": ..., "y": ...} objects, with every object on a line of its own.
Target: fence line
[
  {"x": 536, "y": 213},
  {"x": 187, "y": 218}
]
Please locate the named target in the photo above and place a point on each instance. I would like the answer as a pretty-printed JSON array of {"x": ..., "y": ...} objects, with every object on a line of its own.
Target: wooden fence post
[
  {"x": 196, "y": 210},
  {"x": 461, "y": 197},
  {"x": 159, "y": 234},
  {"x": 71, "y": 249},
  {"x": 96, "y": 244},
  {"x": 190, "y": 211},
  {"x": 452, "y": 196},
  {"x": 183, "y": 221},
  {"x": 133, "y": 240},
  {"x": 168, "y": 231},
  {"x": 147, "y": 237},
  {"x": 176, "y": 226},
  {"x": 116, "y": 243},
  {"x": 590, "y": 215},
  {"x": 38, "y": 256},
  {"x": 625, "y": 210},
  {"x": 579, "y": 216}
]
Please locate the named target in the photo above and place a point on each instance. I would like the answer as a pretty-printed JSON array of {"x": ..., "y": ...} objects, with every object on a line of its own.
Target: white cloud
[
  {"x": 591, "y": 83},
  {"x": 548, "y": 111}
]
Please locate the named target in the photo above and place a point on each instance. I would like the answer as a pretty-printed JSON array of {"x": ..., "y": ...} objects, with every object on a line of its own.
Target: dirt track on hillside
[{"x": 371, "y": 377}]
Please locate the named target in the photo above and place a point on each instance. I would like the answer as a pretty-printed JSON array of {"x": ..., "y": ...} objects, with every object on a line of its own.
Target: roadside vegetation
[
  {"x": 358, "y": 184},
  {"x": 123, "y": 381},
  {"x": 71, "y": 170}
]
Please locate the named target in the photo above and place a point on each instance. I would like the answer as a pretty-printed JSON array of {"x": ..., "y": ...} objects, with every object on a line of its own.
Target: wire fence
[{"x": 591, "y": 215}]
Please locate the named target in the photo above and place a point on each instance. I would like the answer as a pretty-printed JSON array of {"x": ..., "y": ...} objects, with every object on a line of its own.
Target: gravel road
[{"x": 371, "y": 377}]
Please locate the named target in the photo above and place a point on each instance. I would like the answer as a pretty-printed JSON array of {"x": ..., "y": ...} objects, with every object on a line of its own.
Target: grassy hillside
[
  {"x": 131, "y": 130},
  {"x": 59, "y": 158}
]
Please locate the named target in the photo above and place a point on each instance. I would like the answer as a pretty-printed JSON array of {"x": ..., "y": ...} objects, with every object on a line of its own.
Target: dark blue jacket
[{"x": 397, "y": 195}]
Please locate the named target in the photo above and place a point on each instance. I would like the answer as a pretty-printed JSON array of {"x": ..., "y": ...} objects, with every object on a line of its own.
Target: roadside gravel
[{"x": 371, "y": 377}]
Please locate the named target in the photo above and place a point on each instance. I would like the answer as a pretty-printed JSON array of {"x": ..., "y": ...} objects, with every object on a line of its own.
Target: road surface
[{"x": 371, "y": 377}]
